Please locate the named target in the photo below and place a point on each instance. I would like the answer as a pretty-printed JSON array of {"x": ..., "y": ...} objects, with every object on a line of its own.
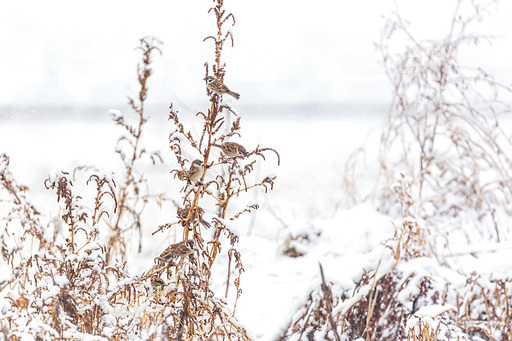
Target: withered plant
[
  {"x": 132, "y": 193},
  {"x": 68, "y": 279},
  {"x": 485, "y": 307},
  {"x": 444, "y": 164},
  {"x": 59, "y": 278},
  {"x": 383, "y": 307},
  {"x": 411, "y": 233},
  {"x": 20, "y": 223},
  {"x": 443, "y": 129},
  {"x": 200, "y": 315}
]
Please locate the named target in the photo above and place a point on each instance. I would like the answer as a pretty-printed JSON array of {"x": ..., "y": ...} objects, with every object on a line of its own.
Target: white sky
[{"x": 79, "y": 53}]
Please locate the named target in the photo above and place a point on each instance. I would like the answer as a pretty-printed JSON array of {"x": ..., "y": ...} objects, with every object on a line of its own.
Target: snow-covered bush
[
  {"x": 444, "y": 178},
  {"x": 443, "y": 130}
]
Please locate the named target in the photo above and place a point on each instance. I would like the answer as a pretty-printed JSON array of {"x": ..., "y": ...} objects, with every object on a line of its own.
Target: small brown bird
[
  {"x": 183, "y": 214},
  {"x": 196, "y": 170},
  {"x": 157, "y": 283},
  {"x": 216, "y": 86},
  {"x": 195, "y": 173},
  {"x": 181, "y": 249},
  {"x": 232, "y": 149}
]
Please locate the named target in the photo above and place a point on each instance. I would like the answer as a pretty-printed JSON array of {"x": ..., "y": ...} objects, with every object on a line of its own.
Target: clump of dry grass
[
  {"x": 485, "y": 307},
  {"x": 56, "y": 291},
  {"x": 405, "y": 305}
]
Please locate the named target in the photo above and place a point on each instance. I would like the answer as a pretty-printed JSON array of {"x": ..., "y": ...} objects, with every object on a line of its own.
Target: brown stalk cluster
[
  {"x": 76, "y": 284},
  {"x": 376, "y": 309},
  {"x": 217, "y": 184}
]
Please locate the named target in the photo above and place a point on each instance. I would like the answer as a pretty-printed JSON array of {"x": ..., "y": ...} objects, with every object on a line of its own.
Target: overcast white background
[
  {"x": 64, "y": 56},
  {"x": 60, "y": 52}
]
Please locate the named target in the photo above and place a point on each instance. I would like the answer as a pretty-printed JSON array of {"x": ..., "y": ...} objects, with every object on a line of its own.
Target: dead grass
[
  {"x": 443, "y": 130},
  {"x": 385, "y": 308}
]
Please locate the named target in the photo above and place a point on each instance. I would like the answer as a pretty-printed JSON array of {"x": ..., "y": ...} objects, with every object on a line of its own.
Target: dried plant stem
[
  {"x": 328, "y": 301},
  {"x": 129, "y": 199}
]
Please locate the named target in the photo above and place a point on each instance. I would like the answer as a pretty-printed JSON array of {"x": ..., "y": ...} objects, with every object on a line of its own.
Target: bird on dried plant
[
  {"x": 232, "y": 149},
  {"x": 183, "y": 214},
  {"x": 196, "y": 170},
  {"x": 157, "y": 283},
  {"x": 181, "y": 250},
  {"x": 216, "y": 86}
]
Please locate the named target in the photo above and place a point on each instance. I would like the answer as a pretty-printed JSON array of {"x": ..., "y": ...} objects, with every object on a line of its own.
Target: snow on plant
[
  {"x": 75, "y": 285},
  {"x": 21, "y": 220},
  {"x": 132, "y": 195},
  {"x": 443, "y": 128},
  {"x": 444, "y": 174},
  {"x": 197, "y": 313},
  {"x": 411, "y": 234}
]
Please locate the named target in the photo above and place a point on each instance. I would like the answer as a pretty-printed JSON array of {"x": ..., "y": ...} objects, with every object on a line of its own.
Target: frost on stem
[
  {"x": 72, "y": 213},
  {"x": 105, "y": 185},
  {"x": 443, "y": 128},
  {"x": 21, "y": 219}
]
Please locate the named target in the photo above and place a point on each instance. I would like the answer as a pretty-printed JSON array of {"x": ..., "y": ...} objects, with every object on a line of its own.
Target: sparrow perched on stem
[
  {"x": 157, "y": 283},
  {"x": 232, "y": 149},
  {"x": 196, "y": 170},
  {"x": 181, "y": 249},
  {"x": 216, "y": 86},
  {"x": 183, "y": 214},
  {"x": 195, "y": 173}
]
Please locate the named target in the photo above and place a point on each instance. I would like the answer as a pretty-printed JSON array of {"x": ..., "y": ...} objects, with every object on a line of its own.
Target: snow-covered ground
[
  {"x": 308, "y": 199},
  {"x": 313, "y": 143}
]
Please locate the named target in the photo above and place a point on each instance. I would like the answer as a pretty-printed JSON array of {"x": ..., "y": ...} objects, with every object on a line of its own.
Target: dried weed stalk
[
  {"x": 221, "y": 181},
  {"x": 411, "y": 235},
  {"x": 132, "y": 194},
  {"x": 485, "y": 308},
  {"x": 21, "y": 221},
  {"x": 70, "y": 284}
]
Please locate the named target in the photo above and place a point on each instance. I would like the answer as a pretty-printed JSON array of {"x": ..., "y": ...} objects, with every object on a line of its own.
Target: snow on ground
[
  {"x": 308, "y": 196},
  {"x": 273, "y": 284},
  {"x": 308, "y": 199}
]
